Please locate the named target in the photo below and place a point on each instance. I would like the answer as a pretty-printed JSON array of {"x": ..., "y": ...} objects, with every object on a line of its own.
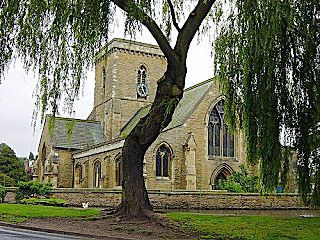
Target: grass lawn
[
  {"x": 20, "y": 212},
  {"x": 250, "y": 227}
]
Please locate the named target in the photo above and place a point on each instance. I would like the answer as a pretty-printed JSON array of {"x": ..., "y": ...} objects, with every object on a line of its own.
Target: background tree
[
  {"x": 11, "y": 167},
  {"x": 31, "y": 156},
  {"x": 268, "y": 60}
]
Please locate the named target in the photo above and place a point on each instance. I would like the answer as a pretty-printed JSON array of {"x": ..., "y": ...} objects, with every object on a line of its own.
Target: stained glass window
[
  {"x": 163, "y": 161},
  {"x": 220, "y": 140}
]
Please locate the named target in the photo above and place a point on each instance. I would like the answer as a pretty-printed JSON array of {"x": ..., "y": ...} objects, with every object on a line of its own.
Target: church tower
[{"x": 126, "y": 75}]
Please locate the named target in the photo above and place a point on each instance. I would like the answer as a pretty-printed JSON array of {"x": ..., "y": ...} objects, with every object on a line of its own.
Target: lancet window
[
  {"x": 97, "y": 174},
  {"x": 163, "y": 161}
]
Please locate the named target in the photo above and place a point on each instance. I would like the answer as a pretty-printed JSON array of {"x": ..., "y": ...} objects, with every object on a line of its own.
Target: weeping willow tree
[
  {"x": 267, "y": 57},
  {"x": 59, "y": 38}
]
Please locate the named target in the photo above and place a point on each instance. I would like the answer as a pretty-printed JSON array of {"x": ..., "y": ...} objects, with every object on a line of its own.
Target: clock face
[{"x": 142, "y": 90}]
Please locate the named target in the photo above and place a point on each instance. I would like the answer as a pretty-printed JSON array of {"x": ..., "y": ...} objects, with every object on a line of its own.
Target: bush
[
  {"x": 240, "y": 182},
  {"x": 3, "y": 192},
  {"x": 45, "y": 201},
  {"x": 33, "y": 189},
  {"x": 230, "y": 185},
  {"x": 6, "y": 181}
]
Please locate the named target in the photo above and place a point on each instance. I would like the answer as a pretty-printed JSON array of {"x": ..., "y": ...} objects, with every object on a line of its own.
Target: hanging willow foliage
[
  {"x": 58, "y": 39},
  {"x": 267, "y": 59}
]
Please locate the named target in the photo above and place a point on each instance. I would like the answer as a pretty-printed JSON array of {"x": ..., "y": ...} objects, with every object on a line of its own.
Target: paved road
[{"x": 9, "y": 233}]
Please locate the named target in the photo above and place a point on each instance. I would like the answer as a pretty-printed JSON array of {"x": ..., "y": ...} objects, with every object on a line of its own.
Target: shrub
[
  {"x": 240, "y": 182},
  {"x": 33, "y": 189},
  {"x": 3, "y": 192},
  {"x": 230, "y": 185},
  {"x": 6, "y": 181},
  {"x": 45, "y": 201}
]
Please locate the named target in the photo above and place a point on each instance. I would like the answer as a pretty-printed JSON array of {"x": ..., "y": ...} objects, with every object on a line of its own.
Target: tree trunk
[{"x": 135, "y": 201}]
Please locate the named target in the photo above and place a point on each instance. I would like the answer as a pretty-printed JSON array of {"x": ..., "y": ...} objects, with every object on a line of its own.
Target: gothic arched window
[
  {"x": 163, "y": 161},
  {"x": 119, "y": 176},
  {"x": 220, "y": 140},
  {"x": 97, "y": 174},
  {"x": 142, "y": 74}
]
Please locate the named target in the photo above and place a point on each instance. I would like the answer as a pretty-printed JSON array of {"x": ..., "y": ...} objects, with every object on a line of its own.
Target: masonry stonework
[{"x": 108, "y": 198}]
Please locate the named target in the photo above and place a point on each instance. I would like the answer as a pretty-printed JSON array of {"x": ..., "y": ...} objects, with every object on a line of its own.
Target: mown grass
[
  {"x": 250, "y": 227},
  {"x": 19, "y": 212}
]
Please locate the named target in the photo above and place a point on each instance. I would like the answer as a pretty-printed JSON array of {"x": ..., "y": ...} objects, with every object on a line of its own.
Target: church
[{"x": 193, "y": 152}]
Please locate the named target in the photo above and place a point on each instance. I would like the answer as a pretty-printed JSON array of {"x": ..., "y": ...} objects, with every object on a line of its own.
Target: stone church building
[{"x": 193, "y": 152}]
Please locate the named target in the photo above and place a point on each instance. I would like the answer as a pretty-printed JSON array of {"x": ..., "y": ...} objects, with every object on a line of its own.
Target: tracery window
[
  {"x": 220, "y": 140},
  {"x": 142, "y": 74},
  {"x": 163, "y": 161},
  {"x": 119, "y": 176},
  {"x": 97, "y": 174}
]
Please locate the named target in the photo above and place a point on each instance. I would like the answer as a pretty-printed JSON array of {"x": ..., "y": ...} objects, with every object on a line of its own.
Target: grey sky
[{"x": 17, "y": 103}]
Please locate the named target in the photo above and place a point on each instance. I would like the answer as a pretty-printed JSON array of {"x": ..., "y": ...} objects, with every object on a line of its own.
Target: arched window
[
  {"x": 104, "y": 78},
  {"x": 119, "y": 176},
  {"x": 142, "y": 74},
  {"x": 163, "y": 161},
  {"x": 97, "y": 174},
  {"x": 220, "y": 140}
]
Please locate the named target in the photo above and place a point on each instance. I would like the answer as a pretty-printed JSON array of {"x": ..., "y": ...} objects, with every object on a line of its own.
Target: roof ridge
[
  {"x": 135, "y": 114},
  {"x": 198, "y": 84},
  {"x": 107, "y": 142},
  {"x": 76, "y": 119}
]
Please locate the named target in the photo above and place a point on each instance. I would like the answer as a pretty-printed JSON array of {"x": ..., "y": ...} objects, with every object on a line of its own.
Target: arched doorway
[{"x": 220, "y": 173}]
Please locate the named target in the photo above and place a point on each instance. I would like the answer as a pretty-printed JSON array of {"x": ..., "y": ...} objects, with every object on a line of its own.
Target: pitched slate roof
[
  {"x": 191, "y": 98},
  {"x": 83, "y": 133}
]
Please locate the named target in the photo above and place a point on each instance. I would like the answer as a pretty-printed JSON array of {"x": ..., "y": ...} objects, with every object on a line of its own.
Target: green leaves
[
  {"x": 33, "y": 189},
  {"x": 267, "y": 59},
  {"x": 3, "y": 193},
  {"x": 11, "y": 167},
  {"x": 58, "y": 39},
  {"x": 240, "y": 182}
]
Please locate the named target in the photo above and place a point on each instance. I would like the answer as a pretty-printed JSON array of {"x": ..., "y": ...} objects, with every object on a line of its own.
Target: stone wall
[{"x": 180, "y": 199}]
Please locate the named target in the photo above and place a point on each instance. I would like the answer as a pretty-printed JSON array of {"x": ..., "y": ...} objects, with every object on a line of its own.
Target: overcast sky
[{"x": 17, "y": 102}]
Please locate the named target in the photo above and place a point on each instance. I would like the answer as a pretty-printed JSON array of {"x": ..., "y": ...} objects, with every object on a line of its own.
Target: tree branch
[
  {"x": 174, "y": 20},
  {"x": 153, "y": 28},
  {"x": 192, "y": 25}
]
